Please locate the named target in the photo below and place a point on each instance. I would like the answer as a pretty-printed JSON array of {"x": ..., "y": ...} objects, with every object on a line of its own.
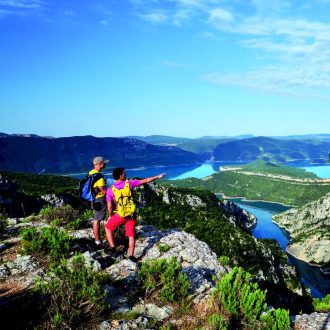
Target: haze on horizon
[{"x": 185, "y": 68}]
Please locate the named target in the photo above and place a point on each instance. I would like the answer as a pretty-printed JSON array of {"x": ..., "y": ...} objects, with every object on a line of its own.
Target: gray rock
[
  {"x": 54, "y": 200},
  {"x": 197, "y": 259},
  {"x": 239, "y": 216},
  {"x": 314, "y": 321},
  {"x": 153, "y": 311}
]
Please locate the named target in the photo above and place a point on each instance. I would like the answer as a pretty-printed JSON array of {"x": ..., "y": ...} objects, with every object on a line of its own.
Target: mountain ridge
[{"x": 73, "y": 154}]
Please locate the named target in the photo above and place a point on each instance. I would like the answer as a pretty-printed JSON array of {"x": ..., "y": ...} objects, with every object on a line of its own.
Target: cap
[{"x": 99, "y": 159}]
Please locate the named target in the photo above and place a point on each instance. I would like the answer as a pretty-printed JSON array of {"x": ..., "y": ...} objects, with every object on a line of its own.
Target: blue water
[
  {"x": 265, "y": 227},
  {"x": 321, "y": 171},
  {"x": 312, "y": 277}
]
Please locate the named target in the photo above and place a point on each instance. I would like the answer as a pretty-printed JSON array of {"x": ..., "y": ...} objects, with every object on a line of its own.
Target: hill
[
  {"x": 202, "y": 146},
  {"x": 309, "y": 228},
  {"x": 278, "y": 150},
  {"x": 74, "y": 154},
  {"x": 262, "y": 181}
]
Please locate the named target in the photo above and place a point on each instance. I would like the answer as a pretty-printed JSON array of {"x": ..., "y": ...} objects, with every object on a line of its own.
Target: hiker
[
  {"x": 99, "y": 205},
  {"x": 123, "y": 213}
]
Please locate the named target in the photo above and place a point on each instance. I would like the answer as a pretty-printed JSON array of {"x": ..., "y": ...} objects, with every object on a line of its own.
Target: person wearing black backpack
[{"x": 99, "y": 204}]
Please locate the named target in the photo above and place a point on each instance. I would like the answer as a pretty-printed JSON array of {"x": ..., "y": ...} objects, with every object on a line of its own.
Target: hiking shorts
[
  {"x": 115, "y": 221},
  {"x": 99, "y": 208}
]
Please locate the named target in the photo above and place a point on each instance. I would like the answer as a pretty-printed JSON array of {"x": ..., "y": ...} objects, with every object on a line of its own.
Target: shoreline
[{"x": 253, "y": 200}]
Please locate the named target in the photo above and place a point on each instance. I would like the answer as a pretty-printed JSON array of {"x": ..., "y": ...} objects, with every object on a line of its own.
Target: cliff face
[{"x": 309, "y": 227}]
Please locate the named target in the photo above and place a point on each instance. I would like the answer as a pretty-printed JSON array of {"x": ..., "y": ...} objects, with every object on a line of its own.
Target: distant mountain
[
  {"x": 314, "y": 137},
  {"x": 203, "y": 146},
  {"x": 271, "y": 149},
  {"x": 35, "y": 154}
]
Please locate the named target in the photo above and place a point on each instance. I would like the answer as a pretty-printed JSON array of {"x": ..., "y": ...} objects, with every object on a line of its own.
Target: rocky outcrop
[
  {"x": 309, "y": 228},
  {"x": 312, "y": 321},
  {"x": 239, "y": 216}
]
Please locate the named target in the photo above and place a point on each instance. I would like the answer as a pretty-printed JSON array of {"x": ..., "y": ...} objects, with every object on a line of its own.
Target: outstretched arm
[{"x": 153, "y": 178}]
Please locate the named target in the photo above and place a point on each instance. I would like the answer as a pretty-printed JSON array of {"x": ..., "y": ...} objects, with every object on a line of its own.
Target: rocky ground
[{"x": 18, "y": 273}]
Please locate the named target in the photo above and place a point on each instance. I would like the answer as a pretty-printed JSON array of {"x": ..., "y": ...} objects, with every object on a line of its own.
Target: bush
[
  {"x": 245, "y": 302},
  {"x": 224, "y": 260},
  {"x": 322, "y": 305},
  {"x": 75, "y": 293},
  {"x": 241, "y": 298},
  {"x": 165, "y": 279},
  {"x": 65, "y": 214},
  {"x": 50, "y": 241},
  {"x": 163, "y": 247},
  {"x": 276, "y": 319},
  {"x": 216, "y": 322}
]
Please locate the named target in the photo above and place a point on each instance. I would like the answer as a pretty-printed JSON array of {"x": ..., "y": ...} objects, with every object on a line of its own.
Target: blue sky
[{"x": 174, "y": 67}]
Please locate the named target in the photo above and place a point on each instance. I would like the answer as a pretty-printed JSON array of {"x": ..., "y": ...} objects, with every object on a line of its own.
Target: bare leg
[
  {"x": 96, "y": 230},
  {"x": 131, "y": 246},
  {"x": 110, "y": 239}
]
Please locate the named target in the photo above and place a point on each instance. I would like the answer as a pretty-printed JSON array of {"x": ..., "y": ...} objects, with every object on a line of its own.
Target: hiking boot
[
  {"x": 134, "y": 259},
  {"x": 99, "y": 246}
]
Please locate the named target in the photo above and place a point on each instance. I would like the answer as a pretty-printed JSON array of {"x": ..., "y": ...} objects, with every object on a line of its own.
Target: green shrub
[
  {"x": 45, "y": 241},
  {"x": 276, "y": 319},
  {"x": 163, "y": 247},
  {"x": 322, "y": 305},
  {"x": 224, "y": 260},
  {"x": 3, "y": 224},
  {"x": 75, "y": 293},
  {"x": 165, "y": 278},
  {"x": 65, "y": 214},
  {"x": 216, "y": 322},
  {"x": 243, "y": 300}
]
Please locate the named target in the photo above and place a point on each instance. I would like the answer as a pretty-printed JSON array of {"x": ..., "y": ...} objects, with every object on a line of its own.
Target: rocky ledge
[{"x": 309, "y": 228}]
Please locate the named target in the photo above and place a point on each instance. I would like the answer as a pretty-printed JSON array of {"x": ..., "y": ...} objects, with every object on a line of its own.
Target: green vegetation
[
  {"x": 322, "y": 305},
  {"x": 256, "y": 187},
  {"x": 264, "y": 167},
  {"x": 74, "y": 294},
  {"x": 164, "y": 279},
  {"x": 40, "y": 184},
  {"x": 217, "y": 322},
  {"x": 47, "y": 241},
  {"x": 163, "y": 247},
  {"x": 211, "y": 226},
  {"x": 243, "y": 302},
  {"x": 65, "y": 216},
  {"x": 275, "y": 319}
]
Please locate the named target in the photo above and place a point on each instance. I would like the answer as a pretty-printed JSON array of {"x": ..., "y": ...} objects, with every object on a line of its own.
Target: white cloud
[
  {"x": 27, "y": 4},
  {"x": 221, "y": 19},
  {"x": 155, "y": 17}
]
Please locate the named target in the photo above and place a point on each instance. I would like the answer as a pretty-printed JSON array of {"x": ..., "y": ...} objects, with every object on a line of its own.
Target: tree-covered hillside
[
  {"x": 37, "y": 154},
  {"x": 263, "y": 181},
  {"x": 271, "y": 149}
]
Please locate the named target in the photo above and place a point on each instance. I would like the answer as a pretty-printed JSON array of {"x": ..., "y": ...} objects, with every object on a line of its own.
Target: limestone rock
[
  {"x": 309, "y": 228},
  {"x": 239, "y": 216},
  {"x": 314, "y": 321}
]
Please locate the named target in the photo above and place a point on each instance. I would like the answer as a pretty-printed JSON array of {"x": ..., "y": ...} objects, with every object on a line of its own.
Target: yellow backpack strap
[
  {"x": 114, "y": 190},
  {"x": 127, "y": 188}
]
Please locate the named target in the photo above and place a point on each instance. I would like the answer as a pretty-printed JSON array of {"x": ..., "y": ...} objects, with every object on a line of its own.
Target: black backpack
[{"x": 86, "y": 190}]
